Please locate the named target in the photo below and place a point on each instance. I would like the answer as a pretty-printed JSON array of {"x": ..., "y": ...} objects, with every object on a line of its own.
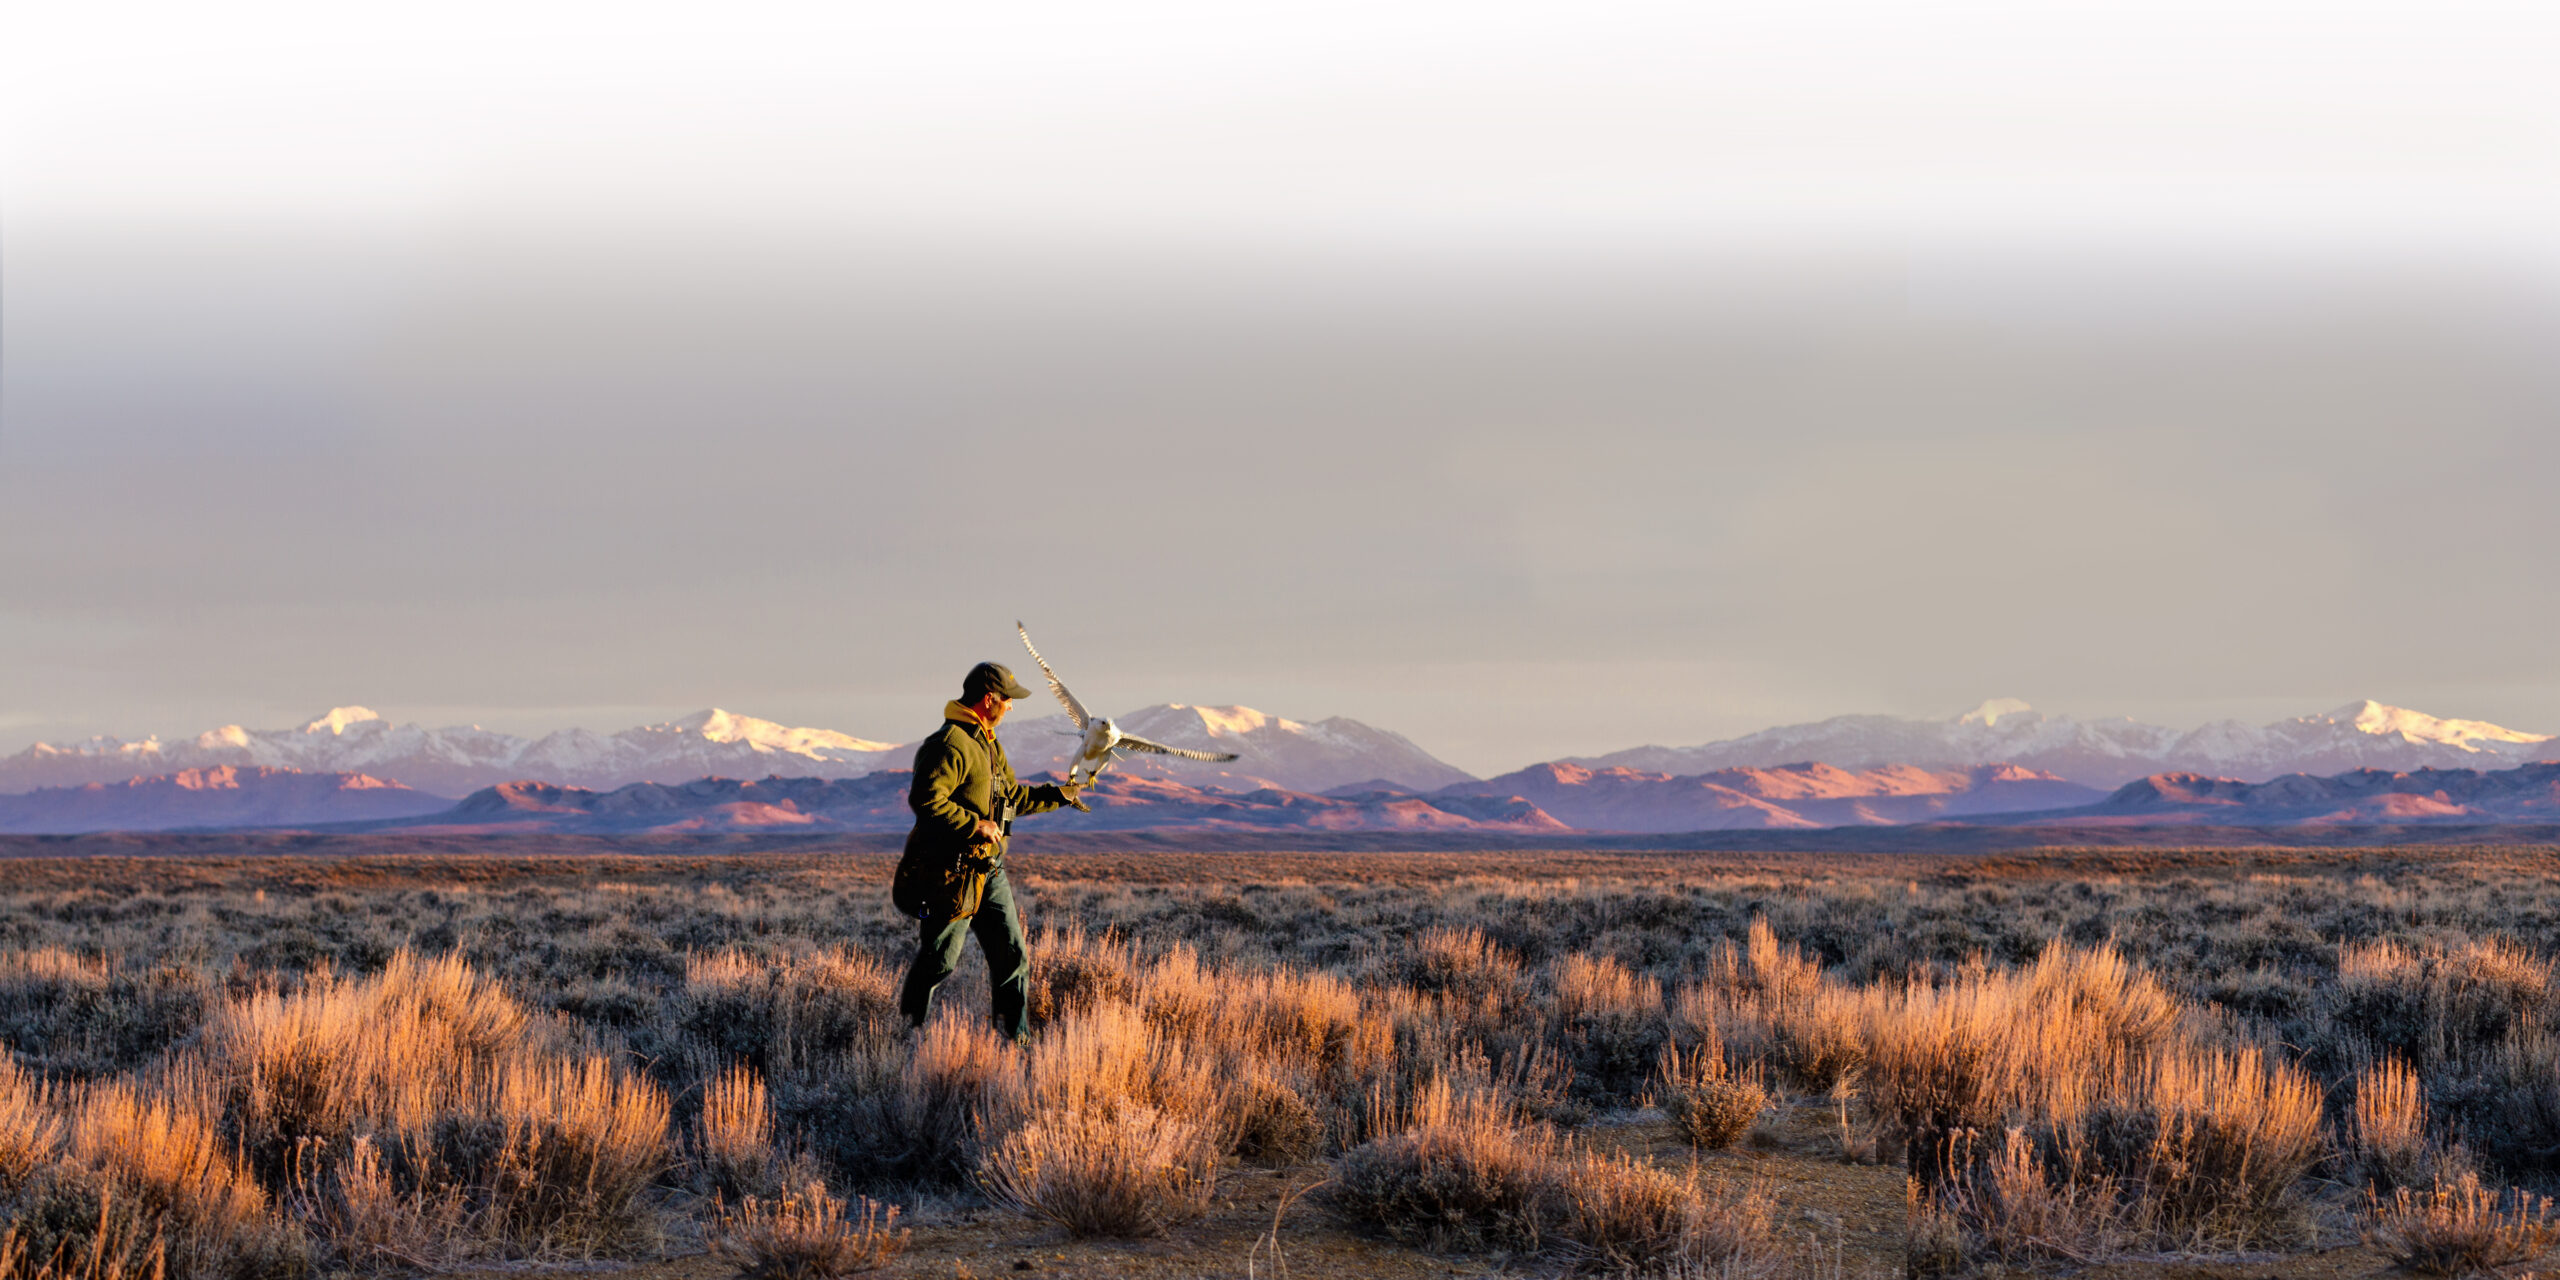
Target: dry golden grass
[
  {"x": 1595, "y": 988},
  {"x": 86, "y": 1016},
  {"x": 2189, "y": 1148},
  {"x": 962, "y": 1087},
  {"x": 1072, "y": 969},
  {"x": 1771, "y": 1003},
  {"x": 114, "y": 1247},
  {"x": 1612, "y": 1022},
  {"x": 1462, "y": 962},
  {"x": 1110, "y": 1056},
  {"x": 558, "y": 1154},
  {"x": 1711, "y": 1104},
  {"x": 1460, "y": 1172},
  {"x": 1179, "y": 998},
  {"x": 125, "y": 1178},
  {"x": 806, "y": 1235},
  {"x": 1464, "y": 1171},
  {"x": 49, "y": 966},
  {"x": 2492, "y": 963},
  {"x": 2386, "y": 1131},
  {"x": 2426, "y": 1002},
  {"x": 1945, "y": 1060},
  {"x": 2101, "y": 996},
  {"x": 1124, "y": 1170},
  {"x": 2023, "y": 1206},
  {"x": 30, "y": 1131},
  {"x": 1266, "y": 1118},
  {"x": 2210, "y": 1145},
  {"x": 167, "y": 1158},
  {"x": 1776, "y": 969},
  {"x": 1975, "y": 1049},
  {"x": 395, "y": 1050},
  {"x": 2117, "y": 1126},
  {"x": 366, "y": 1221},
  {"x": 1933, "y": 1236},
  {"x": 423, "y": 1100},
  {"x": 1306, "y": 1020},
  {"x": 1815, "y": 1041},
  {"x": 732, "y": 1147},
  {"x": 2459, "y": 1230},
  {"x": 1626, "y": 1213},
  {"x": 1124, "y": 1123},
  {"x": 786, "y": 1012},
  {"x": 1247, "y": 1054}
]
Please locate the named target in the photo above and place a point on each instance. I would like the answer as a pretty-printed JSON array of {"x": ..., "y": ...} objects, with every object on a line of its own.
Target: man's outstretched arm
[{"x": 1028, "y": 799}]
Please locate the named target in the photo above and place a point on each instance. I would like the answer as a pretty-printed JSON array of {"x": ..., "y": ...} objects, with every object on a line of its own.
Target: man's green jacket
[{"x": 962, "y": 776}]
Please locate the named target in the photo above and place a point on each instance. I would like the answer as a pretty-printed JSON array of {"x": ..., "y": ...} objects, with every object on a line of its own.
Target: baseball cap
[{"x": 991, "y": 675}]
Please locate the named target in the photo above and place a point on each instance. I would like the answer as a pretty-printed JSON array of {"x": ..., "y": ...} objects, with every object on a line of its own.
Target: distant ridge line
[{"x": 1554, "y": 801}]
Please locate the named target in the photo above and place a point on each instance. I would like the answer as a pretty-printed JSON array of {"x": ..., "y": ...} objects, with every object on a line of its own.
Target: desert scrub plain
[{"x": 689, "y": 1064}]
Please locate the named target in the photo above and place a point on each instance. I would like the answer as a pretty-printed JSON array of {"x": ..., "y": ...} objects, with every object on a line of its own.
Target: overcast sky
[{"x": 1531, "y": 380}]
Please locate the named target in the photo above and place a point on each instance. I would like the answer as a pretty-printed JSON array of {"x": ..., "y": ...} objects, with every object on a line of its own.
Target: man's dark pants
[{"x": 998, "y": 925}]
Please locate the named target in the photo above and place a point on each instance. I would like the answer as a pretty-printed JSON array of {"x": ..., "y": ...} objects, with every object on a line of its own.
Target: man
[{"x": 964, "y": 794}]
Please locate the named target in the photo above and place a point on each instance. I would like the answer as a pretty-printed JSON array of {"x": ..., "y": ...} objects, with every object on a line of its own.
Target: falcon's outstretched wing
[
  {"x": 1158, "y": 748},
  {"x": 1075, "y": 709}
]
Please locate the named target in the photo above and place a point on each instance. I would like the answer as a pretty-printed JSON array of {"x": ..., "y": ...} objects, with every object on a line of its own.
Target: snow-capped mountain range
[
  {"x": 458, "y": 760},
  {"x": 1274, "y": 752},
  {"x": 1271, "y": 751},
  {"x": 2109, "y": 753},
  {"x": 1290, "y": 755}
]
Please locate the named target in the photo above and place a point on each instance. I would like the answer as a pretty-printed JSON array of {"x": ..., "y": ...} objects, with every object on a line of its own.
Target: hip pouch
[{"x": 946, "y": 887}]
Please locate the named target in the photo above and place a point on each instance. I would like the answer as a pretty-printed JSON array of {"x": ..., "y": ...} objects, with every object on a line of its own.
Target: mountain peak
[
  {"x": 336, "y": 720},
  {"x": 1990, "y": 712},
  {"x": 2384, "y": 720},
  {"x": 717, "y": 725},
  {"x": 1231, "y": 722}
]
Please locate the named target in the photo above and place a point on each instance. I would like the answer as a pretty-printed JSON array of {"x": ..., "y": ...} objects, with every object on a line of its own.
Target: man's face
[{"x": 995, "y": 705}]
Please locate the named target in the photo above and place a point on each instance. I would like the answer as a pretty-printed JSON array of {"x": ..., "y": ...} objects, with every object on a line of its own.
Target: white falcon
[{"x": 1103, "y": 739}]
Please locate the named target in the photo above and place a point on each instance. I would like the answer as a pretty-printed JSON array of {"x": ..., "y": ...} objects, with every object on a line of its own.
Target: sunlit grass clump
[{"x": 806, "y": 1234}]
